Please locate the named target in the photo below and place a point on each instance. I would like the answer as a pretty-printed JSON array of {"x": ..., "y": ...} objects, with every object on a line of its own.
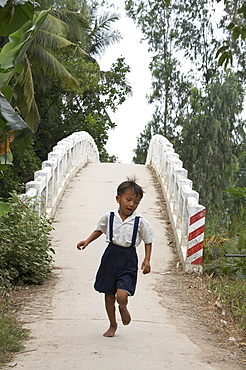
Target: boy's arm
[
  {"x": 83, "y": 244},
  {"x": 146, "y": 262}
]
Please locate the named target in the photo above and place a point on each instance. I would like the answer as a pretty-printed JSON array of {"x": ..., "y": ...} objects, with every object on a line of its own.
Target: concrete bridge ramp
[{"x": 67, "y": 316}]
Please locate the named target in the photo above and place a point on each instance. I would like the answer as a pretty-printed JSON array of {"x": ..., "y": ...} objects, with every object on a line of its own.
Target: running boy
[{"x": 124, "y": 229}]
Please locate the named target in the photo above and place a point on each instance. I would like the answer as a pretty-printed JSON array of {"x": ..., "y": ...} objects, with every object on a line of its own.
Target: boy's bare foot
[
  {"x": 125, "y": 315},
  {"x": 111, "y": 331}
]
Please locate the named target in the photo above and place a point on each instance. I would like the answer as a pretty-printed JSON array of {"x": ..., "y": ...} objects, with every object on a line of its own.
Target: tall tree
[
  {"x": 156, "y": 22},
  {"x": 12, "y": 126},
  {"x": 61, "y": 29},
  {"x": 209, "y": 137},
  {"x": 204, "y": 110},
  {"x": 80, "y": 102},
  {"x": 86, "y": 107},
  {"x": 63, "y": 111},
  {"x": 152, "y": 128},
  {"x": 195, "y": 36}
]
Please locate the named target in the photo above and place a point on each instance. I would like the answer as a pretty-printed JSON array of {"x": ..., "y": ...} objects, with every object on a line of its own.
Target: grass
[
  {"x": 11, "y": 332},
  {"x": 229, "y": 273},
  {"x": 232, "y": 293}
]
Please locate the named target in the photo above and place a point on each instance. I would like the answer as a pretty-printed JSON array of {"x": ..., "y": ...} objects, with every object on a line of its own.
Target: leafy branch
[{"x": 237, "y": 28}]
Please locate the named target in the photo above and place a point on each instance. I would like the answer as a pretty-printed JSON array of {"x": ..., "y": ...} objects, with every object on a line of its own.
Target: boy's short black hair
[{"x": 130, "y": 184}]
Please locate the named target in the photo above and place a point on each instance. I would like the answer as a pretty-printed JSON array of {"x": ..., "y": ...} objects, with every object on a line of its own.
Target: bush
[
  {"x": 25, "y": 247},
  {"x": 228, "y": 242},
  {"x": 16, "y": 176},
  {"x": 215, "y": 261},
  {"x": 228, "y": 273}
]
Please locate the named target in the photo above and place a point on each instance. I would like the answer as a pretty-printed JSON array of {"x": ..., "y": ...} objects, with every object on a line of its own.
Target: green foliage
[
  {"x": 25, "y": 246},
  {"x": 195, "y": 32},
  {"x": 155, "y": 21},
  {"x": 232, "y": 293},
  {"x": 225, "y": 56},
  {"x": 236, "y": 28},
  {"x": 58, "y": 77},
  {"x": 13, "y": 51},
  {"x": 13, "y": 15},
  {"x": 230, "y": 241},
  {"x": 151, "y": 129},
  {"x": 140, "y": 153},
  {"x": 199, "y": 112},
  {"x": 217, "y": 263},
  {"x": 237, "y": 219},
  {"x": 4, "y": 208},
  {"x": 237, "y": 192},
  {"x": 12, "y": 127},
  {"x": 24, "y": 165},
  {"x": 229, "y": 273},
  {"x": 11, "y": 55},
  {"x": 101, "y": 33},
  {"x": 214, "y": 122},
  {"x": 113, "y": 86},
  {"x": 65, "y": 111}
]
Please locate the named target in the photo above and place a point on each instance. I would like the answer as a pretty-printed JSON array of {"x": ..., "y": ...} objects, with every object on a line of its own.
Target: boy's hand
[
  {"x": 146, "y": 267},
  {"x": 82, "y": 245}
]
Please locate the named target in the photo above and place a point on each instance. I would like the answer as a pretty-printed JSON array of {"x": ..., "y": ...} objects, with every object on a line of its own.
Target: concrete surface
[{"x": 68, "y": 319}]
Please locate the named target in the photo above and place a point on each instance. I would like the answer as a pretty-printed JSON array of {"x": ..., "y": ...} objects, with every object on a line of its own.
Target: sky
[{"x": 133, "y": 115}]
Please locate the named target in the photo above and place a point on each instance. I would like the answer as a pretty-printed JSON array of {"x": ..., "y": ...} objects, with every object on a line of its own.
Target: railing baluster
[
  {"x": 66, "y": 158},
  {"x": 186, "y": 214}
]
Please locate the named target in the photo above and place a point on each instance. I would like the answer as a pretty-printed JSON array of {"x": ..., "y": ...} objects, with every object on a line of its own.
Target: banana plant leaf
[
  {"x": 11, "y": 119},
  {"x": 14, "y": 50},
  {"x": 13, "y": 14}
]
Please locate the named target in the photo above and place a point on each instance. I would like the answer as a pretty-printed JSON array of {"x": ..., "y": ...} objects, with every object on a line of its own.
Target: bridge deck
[{"x": 68, "y": 320}]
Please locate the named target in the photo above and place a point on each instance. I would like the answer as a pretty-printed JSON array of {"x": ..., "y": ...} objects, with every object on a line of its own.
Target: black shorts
[{"x": 118, "y": 270}]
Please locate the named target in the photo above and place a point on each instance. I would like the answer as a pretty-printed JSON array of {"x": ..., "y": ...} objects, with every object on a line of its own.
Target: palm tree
[
  {"x": 67, "y": 26},
  {"x": 101, "y": 33}
]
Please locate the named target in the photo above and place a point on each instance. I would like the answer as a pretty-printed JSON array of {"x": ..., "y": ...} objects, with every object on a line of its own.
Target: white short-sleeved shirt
[{"x": 123, "y": 230}]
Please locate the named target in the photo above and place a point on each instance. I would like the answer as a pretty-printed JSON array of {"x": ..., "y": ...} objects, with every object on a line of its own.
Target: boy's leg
[
  {"x": 110, "y": 308},
  {"x": 122, "y": 300}
]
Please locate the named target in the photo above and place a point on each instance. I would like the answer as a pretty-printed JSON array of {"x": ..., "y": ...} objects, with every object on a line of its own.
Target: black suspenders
[
  {"x": 135, "y": 229},
  {"x": 111, "y": 220}
]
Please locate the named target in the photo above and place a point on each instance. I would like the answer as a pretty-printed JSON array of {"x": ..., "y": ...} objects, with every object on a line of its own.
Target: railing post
[
  {"x": 195, "y": 235},
  {"x": 186, "y": 215}
]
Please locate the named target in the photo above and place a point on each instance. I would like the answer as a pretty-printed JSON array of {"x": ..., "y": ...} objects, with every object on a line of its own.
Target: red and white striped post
[{"x": 195, "y": 237}]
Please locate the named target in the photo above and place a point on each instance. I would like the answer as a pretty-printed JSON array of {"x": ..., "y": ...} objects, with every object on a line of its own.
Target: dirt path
[{"x": 67, "y": 317}]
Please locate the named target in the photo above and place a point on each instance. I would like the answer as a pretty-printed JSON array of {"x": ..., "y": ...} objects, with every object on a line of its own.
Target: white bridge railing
[
  {"x": 186, "y": 214},
  {"x": 66, "y": 158}
]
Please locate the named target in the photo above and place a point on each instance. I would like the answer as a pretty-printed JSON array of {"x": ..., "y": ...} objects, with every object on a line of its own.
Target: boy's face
[{"x": 128, "y": 202}]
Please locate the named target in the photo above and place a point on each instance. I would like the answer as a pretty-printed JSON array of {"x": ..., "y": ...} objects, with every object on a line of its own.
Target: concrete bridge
[
  {"x": 186, "y": 214},
  {"x": 66, "y": 316}
]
